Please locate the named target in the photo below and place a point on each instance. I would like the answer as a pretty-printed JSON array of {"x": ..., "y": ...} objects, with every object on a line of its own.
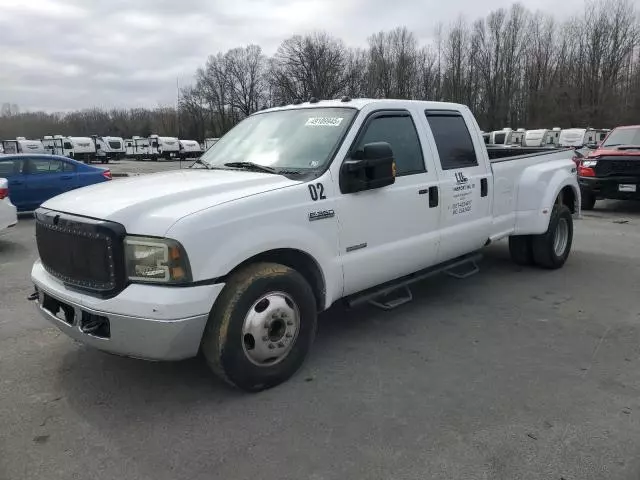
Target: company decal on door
[{"x": 462, "y": 194}]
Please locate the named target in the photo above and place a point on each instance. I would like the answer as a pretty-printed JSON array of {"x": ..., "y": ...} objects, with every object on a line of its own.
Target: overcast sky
[{"x": 71, "y": 54}]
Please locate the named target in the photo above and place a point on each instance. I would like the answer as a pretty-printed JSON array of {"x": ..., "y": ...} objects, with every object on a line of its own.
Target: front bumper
[
  {"x": 143, "y": 321},
  {"x": 610, "y": 187}
]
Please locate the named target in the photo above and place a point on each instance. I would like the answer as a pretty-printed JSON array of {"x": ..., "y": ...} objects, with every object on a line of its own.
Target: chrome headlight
[
  {"x": 156, "y": 260},
  {"x": 589, "y": 163}
]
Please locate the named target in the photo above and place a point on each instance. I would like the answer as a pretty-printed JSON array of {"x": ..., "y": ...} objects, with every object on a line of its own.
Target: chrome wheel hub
[
  {"x": 270, "y": 329},
  {"x": 561, "y": 237}
]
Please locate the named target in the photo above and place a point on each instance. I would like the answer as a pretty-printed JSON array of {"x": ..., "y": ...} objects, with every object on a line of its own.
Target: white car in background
[{"x": 8, "y": 212}]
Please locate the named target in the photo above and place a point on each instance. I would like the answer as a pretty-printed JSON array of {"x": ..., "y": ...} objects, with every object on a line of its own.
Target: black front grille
[
  {"x": 82, "y": 252},
  {"x": 615, "y": 166}
]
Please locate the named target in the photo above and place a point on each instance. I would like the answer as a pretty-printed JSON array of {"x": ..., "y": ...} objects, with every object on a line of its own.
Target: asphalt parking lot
[{"x": 511, "y": 374}]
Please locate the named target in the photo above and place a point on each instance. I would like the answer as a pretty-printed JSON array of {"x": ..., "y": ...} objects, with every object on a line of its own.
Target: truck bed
[{"x": 505, "y": 154}]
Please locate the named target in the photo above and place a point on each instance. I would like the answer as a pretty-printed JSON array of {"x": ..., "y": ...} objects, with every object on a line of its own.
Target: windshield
[
  {"x": 623, "y": 136},
  {"x": 300, "y": 139}
]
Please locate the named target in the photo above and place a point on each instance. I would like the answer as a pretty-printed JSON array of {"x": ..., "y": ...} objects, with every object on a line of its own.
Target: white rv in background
[
  {"x": 164, "y": 147},
  {"x": 22, "y": 145},
  {"x": 577, "y": 137},
  {"x": 189, "y": 149},
  {"x": 137, "y": 147},
  {"x": 507, "y": 136},
  {"x": 57, "y": 145},
  {"x": 210, "y": 142},
  {"x": 82, "y": 148},
  {"x": 542, "y": 137},
  {"x": 109, "y": 148}
]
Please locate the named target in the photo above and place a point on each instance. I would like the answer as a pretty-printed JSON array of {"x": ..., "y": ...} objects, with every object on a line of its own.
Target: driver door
[{"x": 389, "y": 232}]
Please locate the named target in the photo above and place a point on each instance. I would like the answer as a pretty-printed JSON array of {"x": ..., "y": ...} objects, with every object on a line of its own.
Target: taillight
[
  {"x": 107, "y": 174},
  {"x": 4, "y": 193}
]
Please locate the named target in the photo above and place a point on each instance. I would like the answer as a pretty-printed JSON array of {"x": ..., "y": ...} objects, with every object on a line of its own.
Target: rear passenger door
[
  {"x": 464, "y": 176},
  {"x": 46, "y": 179}
]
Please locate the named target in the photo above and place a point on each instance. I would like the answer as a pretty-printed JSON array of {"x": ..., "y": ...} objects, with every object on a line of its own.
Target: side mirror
[{"x": 371, "y": 167}]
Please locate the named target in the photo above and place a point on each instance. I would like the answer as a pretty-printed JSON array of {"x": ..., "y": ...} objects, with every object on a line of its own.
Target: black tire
[
  {"x": 223, "y": 344},
  {"x": 588, "y": 200},
  {"x": 544, "y": 252},
  {"x": 521, "y": 250}
]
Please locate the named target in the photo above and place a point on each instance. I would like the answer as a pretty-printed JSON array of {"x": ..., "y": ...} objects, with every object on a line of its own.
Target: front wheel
[
  {"x": 261, "y": 328},
  {"x": 551, "y": 249}
]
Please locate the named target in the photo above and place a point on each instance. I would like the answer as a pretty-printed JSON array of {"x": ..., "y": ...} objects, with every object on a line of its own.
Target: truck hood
[
  {"x": 614, "y": 152},
  {"x": 150, "y": 204}
]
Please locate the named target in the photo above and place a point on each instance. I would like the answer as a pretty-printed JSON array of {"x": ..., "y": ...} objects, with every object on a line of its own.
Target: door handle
[
  {"x": 484, "y": 187},
  {"x": 16, "y": 182},
  {"x": 433, "y": 197},
  {"x": 66, "y": 177}
]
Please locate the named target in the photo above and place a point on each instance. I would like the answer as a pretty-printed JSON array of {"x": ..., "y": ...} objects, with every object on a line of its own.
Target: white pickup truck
[{"x": 293, "y": 209}]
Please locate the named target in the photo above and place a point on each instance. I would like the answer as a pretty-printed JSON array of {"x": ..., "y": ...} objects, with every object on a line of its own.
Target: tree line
[{"x": 513, "y": 68}]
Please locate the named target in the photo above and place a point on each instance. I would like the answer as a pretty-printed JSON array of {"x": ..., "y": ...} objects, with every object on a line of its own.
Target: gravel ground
[{"x": 511, "y": 374}]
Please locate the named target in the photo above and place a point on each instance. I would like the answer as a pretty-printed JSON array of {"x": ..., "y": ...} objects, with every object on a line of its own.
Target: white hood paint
[{"x": 150, "y": 204}]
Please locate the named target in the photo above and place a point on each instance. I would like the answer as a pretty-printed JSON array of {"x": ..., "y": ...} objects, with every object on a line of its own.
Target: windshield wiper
[
  {"x": 251, "y": 166},
  {"x": 199, "y": 161}
]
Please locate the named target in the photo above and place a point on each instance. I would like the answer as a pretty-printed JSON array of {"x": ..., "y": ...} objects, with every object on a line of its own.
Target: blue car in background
[{"x": 33, "y": 179}]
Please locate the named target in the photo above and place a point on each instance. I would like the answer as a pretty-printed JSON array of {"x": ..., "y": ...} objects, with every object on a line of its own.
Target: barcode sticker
[{"x": 324, "y": 122}]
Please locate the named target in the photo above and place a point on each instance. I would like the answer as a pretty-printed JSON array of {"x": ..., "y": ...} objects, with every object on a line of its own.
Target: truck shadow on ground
[{"x": 90, "y": 377}]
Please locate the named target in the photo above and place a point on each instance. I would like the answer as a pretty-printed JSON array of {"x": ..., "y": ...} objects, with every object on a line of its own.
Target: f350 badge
[{"x": 321, "y": 215}]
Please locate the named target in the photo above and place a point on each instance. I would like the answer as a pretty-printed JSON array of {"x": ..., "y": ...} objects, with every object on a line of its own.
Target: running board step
[
  {"x": 404, "y": 296},
  {"x": 464, "y": 270},
  {"x": 375, "y": 295}
]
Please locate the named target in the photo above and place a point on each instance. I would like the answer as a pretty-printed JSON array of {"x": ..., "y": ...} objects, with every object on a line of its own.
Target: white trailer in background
[
  {"x": 164, "y": 147},
  {"x": 55, "y": 145},
  {"x": 137, "y": 147},
  {"x": 109, "y": 148},
  {"x": 578, "y": 137},
  {"x": 189, "y": 149},
  {"x": 506, "y": 136},
  {"x": 210, "y": 142},
  {"x": 82, "y": 148},
  {"x": 542, "y": 137},
  {"x": 22, "y": 145}
]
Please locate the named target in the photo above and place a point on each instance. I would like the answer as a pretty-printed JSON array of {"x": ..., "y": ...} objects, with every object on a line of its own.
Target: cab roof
[{"x": 360, "y": 103}]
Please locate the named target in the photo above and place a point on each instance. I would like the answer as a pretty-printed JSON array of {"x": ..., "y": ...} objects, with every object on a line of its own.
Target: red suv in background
[{"x": 613, "y": 169}]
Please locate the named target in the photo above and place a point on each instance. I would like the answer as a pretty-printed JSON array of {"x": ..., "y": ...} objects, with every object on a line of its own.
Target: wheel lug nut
[
  {"x": 288, "y": 335},
  {"x": 289, "y": 322},
  {"x": 271, "y": 346},
  {"x": 281, "y": 345},
  {"x": 265, "y": 339}
]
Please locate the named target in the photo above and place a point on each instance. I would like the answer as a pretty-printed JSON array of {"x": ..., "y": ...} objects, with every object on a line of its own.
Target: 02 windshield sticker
[
  {"x": 324, "y": 122},
  {"x": 462, "y": 195}
]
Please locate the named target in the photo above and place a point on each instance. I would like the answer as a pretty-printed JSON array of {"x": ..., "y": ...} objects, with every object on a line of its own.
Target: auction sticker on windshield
[{"x": 324, "y": 122}]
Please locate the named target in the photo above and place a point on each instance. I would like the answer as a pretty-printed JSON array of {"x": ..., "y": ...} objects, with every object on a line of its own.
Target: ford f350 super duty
[{"x": 293, "y": 209}]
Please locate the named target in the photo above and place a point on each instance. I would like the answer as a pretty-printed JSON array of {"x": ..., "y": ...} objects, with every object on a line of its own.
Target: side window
[
  {"x": 56, "y": 166},
  {"x": 68, "y": 146},
  {"x": 400, "y": 133},
  {"x": 40, "y": 166},
  {"x": 9, "y": 168},
  {"x": 454, "y": 143},
  {"x": 68, "y": 167}
]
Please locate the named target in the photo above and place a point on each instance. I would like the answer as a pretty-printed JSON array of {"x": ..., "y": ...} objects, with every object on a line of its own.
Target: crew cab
[
  {"x": 294, "y": 209},
  {"x": 612, "y": 170}
]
